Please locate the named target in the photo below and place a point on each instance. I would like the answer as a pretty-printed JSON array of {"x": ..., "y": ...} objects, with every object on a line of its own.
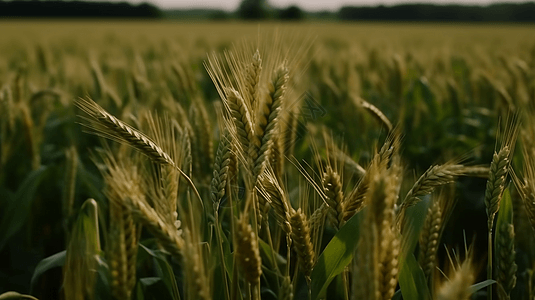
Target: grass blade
[{"x": 336, "y": 256}]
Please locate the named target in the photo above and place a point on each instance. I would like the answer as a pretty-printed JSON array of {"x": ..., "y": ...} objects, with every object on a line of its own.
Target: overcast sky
[{"x": 305, "y": 4}]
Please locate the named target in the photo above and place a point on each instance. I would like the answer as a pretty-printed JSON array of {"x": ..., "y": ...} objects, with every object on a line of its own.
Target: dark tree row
[
  {"x": 522, "y": 12},
  {"x": 260, "y": 9},
  {"x": 76, "y": 9}
]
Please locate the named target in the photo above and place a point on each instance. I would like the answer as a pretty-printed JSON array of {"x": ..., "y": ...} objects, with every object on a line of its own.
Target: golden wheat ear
[
  {"x": 270, "y": 189},
  {"x": 302, "y": 242},
  {"x": 374, "y": 112},
  {"x": 459, "y": 278},
  {"x": 499, "y": 169},
  {"x": 126, "y": 187},
  {"x": 377, "y": 256},
  {"x": 104, "y": 124},
  {"x": 437, "y": 216}
]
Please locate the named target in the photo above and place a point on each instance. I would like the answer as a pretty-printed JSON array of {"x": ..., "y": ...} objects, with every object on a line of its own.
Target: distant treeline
[
  {"x": 521, "y": 12},
  {"x": 77, "y": 9},
  {"x": 257, "y": 10},
  {"x": 260, "y": 9}
]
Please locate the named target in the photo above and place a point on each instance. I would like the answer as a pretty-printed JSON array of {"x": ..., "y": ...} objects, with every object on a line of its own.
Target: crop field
[{"x": 161, "y": 160}]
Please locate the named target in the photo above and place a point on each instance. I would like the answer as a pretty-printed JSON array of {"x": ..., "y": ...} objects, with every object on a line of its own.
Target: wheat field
[{"x": 168, "y": 160}]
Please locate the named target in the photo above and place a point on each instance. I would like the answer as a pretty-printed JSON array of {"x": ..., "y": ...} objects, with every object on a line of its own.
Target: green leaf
[
  {"x": 102, "y": 286},
  {"x": 53, "y": 261},
  {"x": 268, "y": 255},
  {"x": 148, "y": 281},
  {"x": 336, "y": 256},
  {"x": 151, "y": 288},
  {"x": 414, "y": 221},
  {"x": 139, "y": 292},
  {"x": 505, "y": 214},
  {"x": 90, "y": 181},
  {"x": 18, "y": 209},
  {"x": 505, "y": 218},
  {"x": 83, "y": 263},
  {"x": 164, "y": 270},
  {"x": 412, "y": 280},
  {"x": 15, "y": 296},
  {"x": 228, "y": 257},
  {"x": 481, "y": 285}
]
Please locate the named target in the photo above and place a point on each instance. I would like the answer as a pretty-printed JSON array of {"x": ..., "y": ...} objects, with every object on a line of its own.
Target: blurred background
[{"x": 384, "y": 10}]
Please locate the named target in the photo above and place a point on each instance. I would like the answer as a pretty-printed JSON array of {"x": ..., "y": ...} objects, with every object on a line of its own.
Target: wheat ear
[
  {"x": 252, "y": 78},
  {"x": 354, "y": 201},
  {"x": 266, "y": 122},
  {"x": 222, "y": 164},
  {"x": 317, "y": 218},
  {"x": 458, "y": 285},
  {"x": 301, "y": 241},
  {"x": 203, "y": 134},
  {"x": 240, "y": 116},
  {"x": 434, "y": 177},
  {"x": 528, "y": 198},
  {"x": 496, "y": 183},
  {"x": 429, "y": 239},
  {"x": 505, "y": 257},
  {"x": 166, "y": 234},
  {"x": 197, "y": 284},
  {"x": 332, "y": 186},
  {"x": 286, "y": 290},
  {"x": 122, "y": 251},
  {"x": 247, "y": 252},
  {"x": 272, "y": 191},
  {"x": 108, "y": 126},
  {"x": 379, "y": 246},
  {"x": 499, "y": 167},
  {"x": 375, "y": 112},
  {"x": 126, "y": 183}
]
